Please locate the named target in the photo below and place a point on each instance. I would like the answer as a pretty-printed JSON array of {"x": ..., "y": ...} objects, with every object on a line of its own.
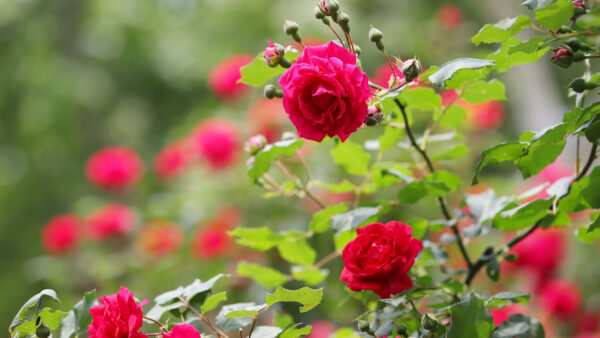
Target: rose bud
[
  {"x": 43, "y": 331},
  {"x": 272, "y": 54},
  {"x": 411, "y": 69},
  {"x": 579, "y": 8},
  {"x": 429, "y": 322},
  {"x": 580, "y": 85},
  {"x": 562, "y": 58},
  {"x": 290, "y": 27},
  {"x": 374, "y": 116},
  {"x": 271, "y": 92},
  {"x": 318, "y": 14},
  {"x": 255, "y": 144},
  {"x": 375, "y": 34},
  {"x": 329, "y": 7}
]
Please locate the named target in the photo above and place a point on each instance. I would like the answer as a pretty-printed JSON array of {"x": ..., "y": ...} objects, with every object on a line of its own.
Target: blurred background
[{"x": 78, "y": 76}]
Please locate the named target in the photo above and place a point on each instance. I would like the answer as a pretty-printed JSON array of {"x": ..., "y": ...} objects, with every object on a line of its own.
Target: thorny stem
[
  {"x": 441, "y": 201},
  {"x": 389, "y": 62},
  {"x": 203, "y": 319},
  {"x": 485, "y": 259}
]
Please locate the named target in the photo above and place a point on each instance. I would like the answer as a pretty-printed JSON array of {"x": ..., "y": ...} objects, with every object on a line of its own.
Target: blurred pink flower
[
  {"x": 182, "y": 331},
  {"x": 111, "y": 220},
  {"x": 450, "y": 16},
  {"x": 321, "y": 329},
  {"x": 172, "y": 160},
  {"x": 560, "y": 299},
  {"x": 212, "y": 239},
  {"x": 486, "y": 115},
  {"x": 223, "y": 79},
  {"x": 541, "y": 253},
  {"x": 217, "y": 141},
  {"x": 61, "y": 233},
  {"x": 159, "y": 237},
  {"x": 114, "y": 168},
  {"x": 502, "y": 314}
]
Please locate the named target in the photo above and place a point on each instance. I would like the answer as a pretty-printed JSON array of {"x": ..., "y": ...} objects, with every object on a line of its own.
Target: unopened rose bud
[
  {"x": 374, "y": 116},
  {"x": 255, "y": 144},
  {"x": 357, "y": 50},
  {"x": 272, "y": 54},
  {"x": 578, "y": 56},
  {"x": 363, "y": 325},
  {"x": 411, "y": 69},
  {"x": 562, "y": 58},
  {"x": 564, "y": 30},
  {"x": 290, "y": 27},
  {"x": 573, "y": 43},
  {"x": 271, "y": 91},
  {"x": 401, "y": 329},
  {"x": 375, "y": 34},
  {"x": 329, "y": 7},
  {"x": 429, "y": 322},
  {"x": 343, "y": 19},
  {"x": 580, "y": 85},
  {"x": 318, "y": 14},
  {"x": 43, "y": 331},
  {"x": 579, "y": 8}
]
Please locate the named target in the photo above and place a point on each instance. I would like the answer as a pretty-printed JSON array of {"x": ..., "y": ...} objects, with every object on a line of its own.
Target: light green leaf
[
  {"x": 471, "y": 319},
  {"x": 309, "y": 298},
  {"x": 390, "y": 138},
  {"x": 321, "y": 221},
  {"x": 453, "y": 117},
  {"x": 351, "y": 157},
  {"x": 257, "y": 73},
  {"x": 555, "y": 14},
  {"x": 231, "y": 324},
  {"x": 519, "y": 217},
  {"x": 483, "y": 91},
  {"x": 264, "y": 276},
  {"x": 501, "y": 30},
  {"x": 543, "y": 150},
  {"x": 294, "y": 332},
  {"x": 309, "y": 275},
  {"x": 353, "y": 218},
  {"x": 213, "y": 301},
  {"x": 421, "y": 98},
  {"x": 45, "y": 299},
  {"x": 261, "y": 239},
  {"x": 47, "y": 316},
  {"x": 297, "y": 252},
  {"x": 264, "y": 157},
  {"x": 503, "y": 298},
  {"x": 452, "y": 153},
  {"x": 516, "y": 52},
  {"x": 472, "y": 68}
]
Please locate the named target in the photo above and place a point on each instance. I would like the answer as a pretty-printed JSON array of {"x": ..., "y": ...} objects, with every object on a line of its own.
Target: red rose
[
  {"x": 212, "y": 239},
  {"x": 111, "y": 220},
  {"x": 541, "y": 252},
  {"x": 502, "y": 314},
  {"x": 114, "y": 168},
  {"x": 172, "y": 160},
  {"x": 560, "y": 299},
  {"x": 379, "y": 258},
  {"x": 182, "y": 331},
  {"x": 325, "y": 93},
  {"x": 223, "y": 79},
  {"x": 217, "y": 141},
  {"x": 450, "y": 16},
  {"x": 61, "y": 233},
  {"x": 160, "y": 237},
  {"x": 117, "y": 316}
]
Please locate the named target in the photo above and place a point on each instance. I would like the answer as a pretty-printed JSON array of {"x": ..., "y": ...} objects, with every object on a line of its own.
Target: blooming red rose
[
  {"x": 160, "y": 237},
  {"x": 172, "y": 160},
  {"x": 450, "y": 16},
  {"x": 379, "y": 258},
  {"x": 325, "y": 92},
  {"x": 61, "y": 233},
  {"x": 117, "y": 316},
  {"x": 112, "y": 220},
  {"x": 560, "y": 298},
  {"x": 114, "y": 168},
  {"x": 217, "y": 141},
  {"x": 223, "y": 79},
  {"x": 182, "y": 331}
]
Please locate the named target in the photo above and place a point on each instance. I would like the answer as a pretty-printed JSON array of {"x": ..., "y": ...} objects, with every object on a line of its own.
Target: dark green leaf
[
  {"x": 437, "y": 184},
  {"x": 493, "y": 269},
  {"x": 519, "y": 326},
  {"x": 522, "y": 216},
  {"x": 470, "y": 318},
  {"x": 503, "y": 298},
  {"x": 500, "y": 153}
]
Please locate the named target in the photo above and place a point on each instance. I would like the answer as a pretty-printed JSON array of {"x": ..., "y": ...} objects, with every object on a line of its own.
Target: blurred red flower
[
  {"x": 502, "y": 314},
  {"x": 111, "y": 220},
  {"x": 321, "y": 328},
  {"x": 117, "y": 316},
  {"x": 217, "y": 141},
  {"x": 114, "y": 168},
  {"x": 541, "y": 253},
  {"x": 560, "y": 299},
  {"x": 61, "y": 233},
  {"x": 182, "y": 331},
  {"x": 212, "y": 239},
  {"x": 223, "y": 79},
  {"x": 172, "y": 160},
  {"x": 267, "y": 118},
  {"x": 159, "y": 237},
  {"x": 486, "y": 115},
  {"x": 450, "y": 16}
]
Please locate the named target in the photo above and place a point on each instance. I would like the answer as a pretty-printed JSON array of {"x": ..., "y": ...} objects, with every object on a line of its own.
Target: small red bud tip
[
  {"x": 579, "y": 4},
  {"x": 271, "y": 55},
  {"x": 562, "y": 57}
]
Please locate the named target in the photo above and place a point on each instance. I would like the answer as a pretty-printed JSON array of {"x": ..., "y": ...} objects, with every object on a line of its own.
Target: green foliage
[
  {"x": 437, "y": 184},
  {"x": 265, "y": 276},
  {"x": 307, "y": 297},
  {"x": 470, "y": 318},
  {"x": 519, "y": 326},
  {"x": 351, "y": 158},
  {"x": 517, "y": 217},
  {"x": 501, "y": 30},
  {"x": 257, "y": 73},
  {"x": 321, "y": 221},
  {"x": 294, "y": 332},
  {"x": 230, "y": 324},
  {"x": 555, "y": 14},
  {"x": 470, "y": 70},
  {"x": 421, "y": 98},
  {"x": 76, "y": 322},
  {"x": 504, "y": 298},
  {"x": 263, "y": 159},
  {"x": 353, "y": 218},
  {"x": 297, "y": 252},
  {"x": 52, "y": 318},
  {"x": 483, "y": 91},
  {"x": 34, "y": 306},
  {"x": 213, "y": 301}
]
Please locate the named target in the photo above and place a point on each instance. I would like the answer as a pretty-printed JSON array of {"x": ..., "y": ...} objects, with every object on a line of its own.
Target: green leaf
[
  {"x": 266, "y": 331},
  {"x": 390, "y": 138},
  {"x": 265, "y": 276},
  {"x": 554, "y": 15},
  {"x": 297, "y": 252},
  {"x": 419, "y": 227},
  {"x": 472, "y": 67},
  {"x": 503, "y": 152},
  {"x": 501, "y": 30},
  {"x": 321, "y": 221},
  {"x": 45, "y": 299},
  {"x": 47, "y": 316},
  {"x": 261, "y": 239},
  {"x": 486, "y": 205},
  {"x": 231, "y": 324},
  {"x": 519, "y": 326},
  {"x": 294, "y": 332},
  {"x": 345, "y": 333},
  {"x": 453, "y": 117},
  {"x": 76, "y": 322},
  {"x": 353, "y": 218},
  {"x": 421, "y": 98},
  {"x": 519, "y": 217},
  {"x": 263, "y": 159},
  {"x": 309, "y": 275},
  {"x": 595, "y": 225},
  {"x": 516, "y": 52},
  {"x": 493, "y": 269},
  {"x": 591, "y": 193},
  {"x": 590, "y": 20},
  {"x": 257, "y": 73},
  {"x": 213, "y": 301},
  {"x": 543, "y": 150},
  {"x": 592, "y": 130},
  {"x": 309, "y": 298},
  {"x": 342, "y": 187},
  {"x": 351, "y": 157},
  {"x": 471, "y": 319},
  {"x": 437, "y": 184},
  {"x": 343, "y": 238},
  {"x": 454, "y": 152},
  {"x": 247, "y": 311},
  {"x": 483, "y": 91},
  {"x": 504, "y": 298},
  {"x": 536, "y": 4}
]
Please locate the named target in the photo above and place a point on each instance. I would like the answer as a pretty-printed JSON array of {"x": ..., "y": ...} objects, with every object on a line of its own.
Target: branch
[
  {"x": 441, "y": 201},
  {"x": 484, "y": 259},
  {"x": 203, "y": 319}
]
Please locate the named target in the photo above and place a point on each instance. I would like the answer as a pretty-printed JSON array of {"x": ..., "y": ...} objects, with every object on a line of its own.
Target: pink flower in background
[
  {"x": 486, "y": 115},
  {"x": 114, "y": 168},
  {"x": 267, "y": 117},
  {"x": 172, "y": 160},
  {"x": 61, "y": 233},
  {"x": 216, "y": 141},
  {"x": 560, "y": 298},
  {"x": 321, "y": 328},
  {"x": 223, "y": 79},
  {"x": 450, "y": 16},
  {"x": 117, "y": 316},
  {"x": 182, "y": 331},
  {"x": 384, "y": 73},
  {"x": 325, "y": 93},
  {"x": 111, "y": 220},
  {"x": 159, "y": 237},
  {"x": 541, "y": 252},
  {"x": 379, "y": 258},
  {"x": 212, "y": 239},
  {"x": 502, "y": 314}
]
